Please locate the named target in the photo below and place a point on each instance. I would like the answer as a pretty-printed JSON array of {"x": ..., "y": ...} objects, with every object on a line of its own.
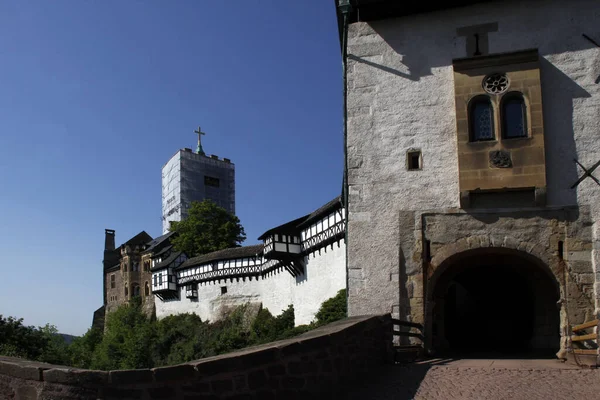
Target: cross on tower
[{"x": 199, "y": 132}]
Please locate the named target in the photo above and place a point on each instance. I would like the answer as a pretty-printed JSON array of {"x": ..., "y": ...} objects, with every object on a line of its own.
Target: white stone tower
[{"x": 193, "y": 176}]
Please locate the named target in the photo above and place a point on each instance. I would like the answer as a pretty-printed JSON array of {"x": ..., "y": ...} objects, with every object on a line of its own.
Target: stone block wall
[{"x": 318, "y": 363}]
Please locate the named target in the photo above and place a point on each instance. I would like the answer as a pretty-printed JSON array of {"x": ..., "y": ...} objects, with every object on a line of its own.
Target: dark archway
[{"x": 495, "y": 303}]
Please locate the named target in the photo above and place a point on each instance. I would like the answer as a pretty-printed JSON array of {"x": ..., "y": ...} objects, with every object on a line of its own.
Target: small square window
[
  {"x": 414, "y": 160},
  {"x": 223, "y": 289}
]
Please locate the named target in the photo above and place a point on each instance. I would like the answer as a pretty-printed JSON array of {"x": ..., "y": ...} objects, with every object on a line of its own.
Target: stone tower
[{"x": 193, "y": 176}]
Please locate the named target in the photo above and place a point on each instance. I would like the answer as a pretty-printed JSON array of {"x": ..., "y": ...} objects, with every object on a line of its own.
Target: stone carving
[
  {"x": 500, "y": 159},
  {"x": 496, "y": 83}
]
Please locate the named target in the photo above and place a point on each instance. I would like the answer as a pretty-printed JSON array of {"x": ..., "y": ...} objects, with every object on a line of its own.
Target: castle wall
[
  {"x": 401, "y": 96},
  {"x": 324, "y": 277}
]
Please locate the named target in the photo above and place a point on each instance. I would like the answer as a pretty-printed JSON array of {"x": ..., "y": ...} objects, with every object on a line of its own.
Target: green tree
[
  {"x": 82, "y": 348},
  {"x": 180, "y": 338},
  {"x": 128, "y": 340},
  {"x": 18, "y": 340},
  {"x": 207, "y": 228},
  {"x": 57, "y": 351}
]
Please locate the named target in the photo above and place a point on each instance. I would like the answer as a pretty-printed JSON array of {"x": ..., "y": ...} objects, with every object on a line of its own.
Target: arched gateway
[{"x": 494, "y": 300}]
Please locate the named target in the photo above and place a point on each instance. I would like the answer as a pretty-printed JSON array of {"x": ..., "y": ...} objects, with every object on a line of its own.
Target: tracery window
[
  {"x": 481, "y": 119},
  {"x": 514, "y": 116}
]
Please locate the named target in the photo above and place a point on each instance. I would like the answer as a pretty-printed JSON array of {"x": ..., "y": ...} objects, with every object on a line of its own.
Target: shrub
[{"x": 332, "y": 309}]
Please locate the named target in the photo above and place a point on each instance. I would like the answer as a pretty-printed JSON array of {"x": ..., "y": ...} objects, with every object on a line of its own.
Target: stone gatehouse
[{"x": 469, "y": 129}]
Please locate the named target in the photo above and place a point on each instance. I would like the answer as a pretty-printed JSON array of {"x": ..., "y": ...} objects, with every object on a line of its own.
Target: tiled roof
[{"x": 226, "y": 254}]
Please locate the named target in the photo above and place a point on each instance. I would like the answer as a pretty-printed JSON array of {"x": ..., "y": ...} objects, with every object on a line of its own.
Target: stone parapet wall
[{"x": 318, "y": 363}]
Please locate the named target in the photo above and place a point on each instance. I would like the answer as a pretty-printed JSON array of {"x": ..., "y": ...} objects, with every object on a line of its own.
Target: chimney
[{"x": 109, "y": 239}]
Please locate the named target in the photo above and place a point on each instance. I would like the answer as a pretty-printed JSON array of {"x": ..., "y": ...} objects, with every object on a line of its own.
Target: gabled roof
[
  {"x": 292, "y": 227},
  {"x": 226, "y": 254},
  {"x": 140, "y": 238},
  {"x": 288, "y": 227},
  {"x": 158, "y": 242},
  {"x": 322, "y": 211}
]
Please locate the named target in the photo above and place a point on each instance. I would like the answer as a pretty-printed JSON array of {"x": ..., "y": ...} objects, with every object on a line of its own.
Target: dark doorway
[{"x": 496, "y": 305}]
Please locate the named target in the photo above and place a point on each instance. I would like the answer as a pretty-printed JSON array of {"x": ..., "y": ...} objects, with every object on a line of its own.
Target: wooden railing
[
  {"x": 580, "y": 336},
  {"x": 404, "y": 350}
]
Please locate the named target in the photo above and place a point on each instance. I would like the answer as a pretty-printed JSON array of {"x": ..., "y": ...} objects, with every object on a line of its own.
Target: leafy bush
[
  {"x": 132, "y": 340},
  {"x": 128, "y": 337},
  {"x": 42, "y": 343},
  {"x": 332, "y": 309}
]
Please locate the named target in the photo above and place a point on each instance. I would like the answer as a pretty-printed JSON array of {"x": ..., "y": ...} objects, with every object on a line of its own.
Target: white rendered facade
[{"x": 211, "y": 286}]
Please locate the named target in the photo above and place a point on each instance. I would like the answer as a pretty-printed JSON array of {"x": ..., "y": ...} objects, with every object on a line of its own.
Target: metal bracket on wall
[{"x": 586, "y": 173}]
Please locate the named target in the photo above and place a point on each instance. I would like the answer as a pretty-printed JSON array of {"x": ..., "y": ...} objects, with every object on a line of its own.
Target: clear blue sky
[{"x": 97, "y": 95}]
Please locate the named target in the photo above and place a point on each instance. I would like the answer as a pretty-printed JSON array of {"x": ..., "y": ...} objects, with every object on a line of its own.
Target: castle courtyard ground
[{"x": 480, "y": 379}]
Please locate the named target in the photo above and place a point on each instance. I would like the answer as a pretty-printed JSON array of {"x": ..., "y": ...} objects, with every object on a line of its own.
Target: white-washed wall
[
  {"x": 401, "y": 96},
  {"x": 324, "y": 276}
]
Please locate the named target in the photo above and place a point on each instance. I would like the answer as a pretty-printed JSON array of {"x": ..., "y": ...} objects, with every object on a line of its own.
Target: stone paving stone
[{"x": 480, "y": 379}]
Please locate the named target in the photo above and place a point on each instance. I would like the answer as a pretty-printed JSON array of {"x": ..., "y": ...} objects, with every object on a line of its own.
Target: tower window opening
[{"x": 414, "y": 160}]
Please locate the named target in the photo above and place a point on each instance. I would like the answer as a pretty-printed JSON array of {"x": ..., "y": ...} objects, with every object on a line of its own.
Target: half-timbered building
[{"x": 299, "y": 263}]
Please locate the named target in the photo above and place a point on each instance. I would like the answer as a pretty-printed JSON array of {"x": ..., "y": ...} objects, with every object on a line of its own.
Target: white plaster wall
[
  {"x": 325, "y": 276},
  {"x": 401, "y": 96},
  {"x": 209, "y": 301}
]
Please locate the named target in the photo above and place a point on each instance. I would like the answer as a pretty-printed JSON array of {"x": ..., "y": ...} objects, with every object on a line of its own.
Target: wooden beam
[
  {"x": 591, "y": 352},
  {"x": 591, "y": 336},
  {"x": 586, "y": 325}
]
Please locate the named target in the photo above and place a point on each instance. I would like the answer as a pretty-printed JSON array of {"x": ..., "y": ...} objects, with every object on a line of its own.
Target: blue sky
[{"x": 96, "y": 96}]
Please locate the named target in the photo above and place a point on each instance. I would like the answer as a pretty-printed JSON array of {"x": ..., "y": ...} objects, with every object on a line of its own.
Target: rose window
[{"x": 496, "y": 83}]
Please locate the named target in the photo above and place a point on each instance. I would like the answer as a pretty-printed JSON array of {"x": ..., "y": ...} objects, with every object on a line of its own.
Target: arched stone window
[
  {"x": 135, "y": 290},
  {"x": 147, "y": 289},
  {"x": 126, "y": 291},
  {"x": 481, "y": 119},
  {"x": 514, "y": 116}
]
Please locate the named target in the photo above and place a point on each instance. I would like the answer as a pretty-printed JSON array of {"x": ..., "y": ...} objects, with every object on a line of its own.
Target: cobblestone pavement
[{"x": 481, "y": 379}]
